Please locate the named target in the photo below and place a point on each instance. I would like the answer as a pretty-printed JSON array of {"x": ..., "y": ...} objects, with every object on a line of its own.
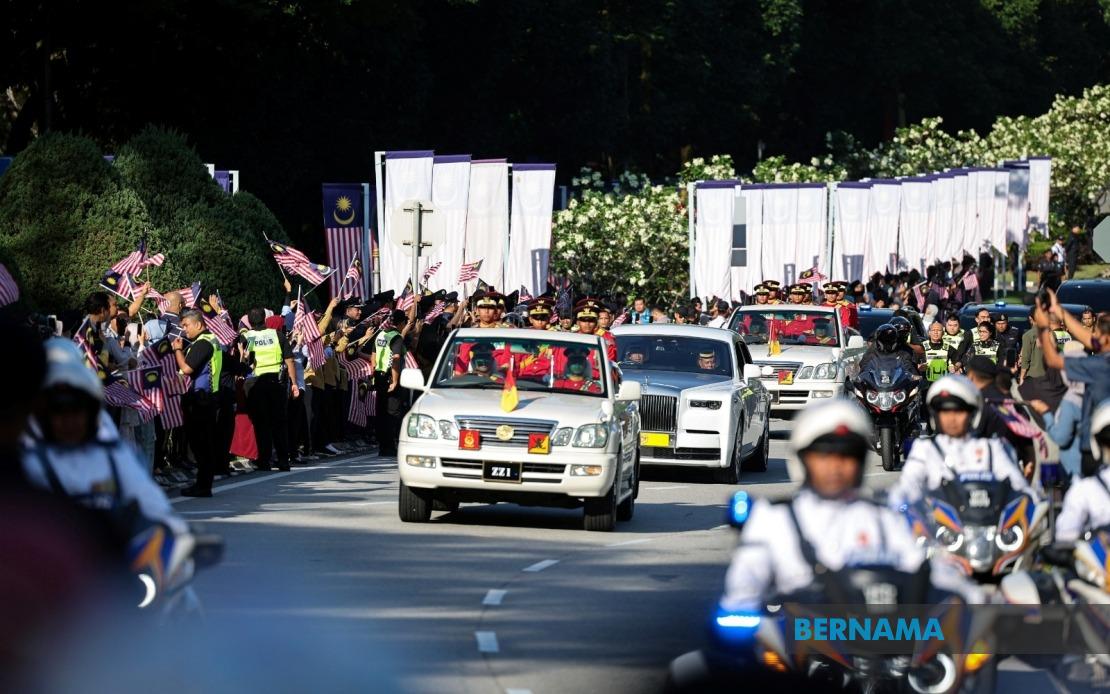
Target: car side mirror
[
  {"x": 413, "y": 379},
  {"x": 836, "y": 353},
  {"x": 752, "y": 372},
  {"x": 629, "y": 390},
  {"x": 857, "y": 342}
]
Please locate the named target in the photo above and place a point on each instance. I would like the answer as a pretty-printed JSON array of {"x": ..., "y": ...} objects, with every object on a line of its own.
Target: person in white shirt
[
  {"x": 1087, "y": 503},
  {"x": 829, "y": 520},
  {"x": 1058, "y": 252},
  {"x": 955, "y": 407},
  {"x": 720, "y": 314}
]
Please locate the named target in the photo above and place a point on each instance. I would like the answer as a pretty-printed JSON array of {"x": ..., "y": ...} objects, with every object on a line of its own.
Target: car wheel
[
  {"x": 731, "y": 474},
  {"x": 414, "y": 505},
  {"x": 600, "y": 513},
  {"x": 628, "y": 506},
  {"x": 758, "y": 460}
]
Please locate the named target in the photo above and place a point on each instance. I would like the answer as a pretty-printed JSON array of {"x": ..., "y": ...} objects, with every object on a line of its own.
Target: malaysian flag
[
  {"x": 377, "y": 317},
  {"x": 356, "y": 366},
  {"x": 810, "y": 276},
  {"x": 159, "y": 354},
  {"x": 172, "y": 417},
  {"x": 1015, "y": 421},
  {"x": 524, "y": 296},
  {"x": 298, "y": 263},
  {"x": 410, "y": 360},
  {"x": 305, "y": 323},
  {"x": 137, "y": 260},
  {"x": 85, "y": 337},
  {"x": 354, "y": 276},
  {"x": 372, "y": 403},
  {"x": 219, "y": 327},
  {"x": 407, "y": 298},
  {"x": 344, "y": 231},
  {"x": 356, "y": 412},
  {"x": 117, "y": 394},
  {"x": 621, "y": 319},
  {"x": 9, "y": 290},
  {"x": 469, "y": 271},
  {"x": 189, "y": 296},
  {"x": 119, "y": 284},
  {"x": 430, "y": 272},
  {"x": 436, "y": 312}
]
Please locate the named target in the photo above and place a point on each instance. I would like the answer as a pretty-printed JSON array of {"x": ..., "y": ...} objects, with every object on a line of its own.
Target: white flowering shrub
[{"x": 718, "y": 168}]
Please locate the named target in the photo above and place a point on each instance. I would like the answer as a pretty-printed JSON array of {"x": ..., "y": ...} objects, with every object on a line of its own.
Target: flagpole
[{"x": 268, "y": 242}]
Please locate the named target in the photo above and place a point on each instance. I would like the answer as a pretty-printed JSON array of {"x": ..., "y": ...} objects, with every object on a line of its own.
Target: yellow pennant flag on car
[
  {"x": 773, "y": 346},
  {"x": 509, "y": 397}
]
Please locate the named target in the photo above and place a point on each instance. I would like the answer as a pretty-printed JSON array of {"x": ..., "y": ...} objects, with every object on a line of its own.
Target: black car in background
[
  {"x": 871, "y": 318},
  {"x": 1016, "y": 314},
  {"x": 1093, "y": 293}
]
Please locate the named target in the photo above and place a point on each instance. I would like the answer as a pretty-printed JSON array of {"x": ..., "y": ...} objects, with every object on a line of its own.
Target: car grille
[
  {"x": 791, "y": 366},
  {"x": 658, "y": 412},
  {"x": 487, "y": 427},
  {"x": 681, "y": 453}
]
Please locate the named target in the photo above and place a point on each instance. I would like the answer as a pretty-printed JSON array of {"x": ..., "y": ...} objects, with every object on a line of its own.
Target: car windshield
[
  {"x": 788, "y": 326},
  {"x": 1086, "y": 292},
  {"x": 536, "y": 365},
  {"x": 869, "y": 321},
  {"x": 674, "y": 353}
]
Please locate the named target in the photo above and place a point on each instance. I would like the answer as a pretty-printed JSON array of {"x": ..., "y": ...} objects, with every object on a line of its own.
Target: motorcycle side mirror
[
  {"x": 739, "y": 509},
  {"x": 208, "y": 551}
]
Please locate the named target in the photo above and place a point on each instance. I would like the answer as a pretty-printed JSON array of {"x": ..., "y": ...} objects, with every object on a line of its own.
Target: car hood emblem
[{"x": 504, "y": 432}]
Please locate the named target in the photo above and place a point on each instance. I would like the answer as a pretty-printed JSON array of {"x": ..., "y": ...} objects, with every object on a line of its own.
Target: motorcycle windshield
[
  {"x": 883, "y": 373},
  {"x": 874, "y": 584},
  {"x": 979, "y": 499}
]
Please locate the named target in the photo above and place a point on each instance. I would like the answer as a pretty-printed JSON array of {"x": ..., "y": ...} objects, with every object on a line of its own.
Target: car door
[
  {"x": 745, "y": 400},
  {"x": 628, "y": 417},
  {"x": 761, "y": 398}
]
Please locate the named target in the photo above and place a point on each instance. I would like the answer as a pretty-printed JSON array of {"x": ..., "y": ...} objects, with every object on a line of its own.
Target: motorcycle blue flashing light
[
  {"x": 734, "y": 626},
  {"x": 739, "y": 509}
]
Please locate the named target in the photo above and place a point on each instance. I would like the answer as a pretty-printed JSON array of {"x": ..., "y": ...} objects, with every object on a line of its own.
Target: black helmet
[
  {"x": 903, "y": 326},
  {"x": 886, "y": 338}
]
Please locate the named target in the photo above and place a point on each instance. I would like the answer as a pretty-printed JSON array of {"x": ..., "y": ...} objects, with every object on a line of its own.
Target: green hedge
[{"x": 66, "y": 215}]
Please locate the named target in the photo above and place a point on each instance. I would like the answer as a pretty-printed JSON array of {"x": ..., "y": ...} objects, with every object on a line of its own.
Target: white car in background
[
  {"x": 813, "y": 348},
  {"x": 570, "y": 441},
  {"x": 708, "y": 413}
]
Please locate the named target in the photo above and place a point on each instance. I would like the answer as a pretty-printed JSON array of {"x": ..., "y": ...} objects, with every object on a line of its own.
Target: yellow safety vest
[
  {"x": 266, "y": 348},
  {"x": 216, "y": 363},
  {"x": 383, "y": 357}
]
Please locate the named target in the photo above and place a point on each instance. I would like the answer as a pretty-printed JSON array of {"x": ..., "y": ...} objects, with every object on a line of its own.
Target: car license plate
[
  {"x": 655, "y": 440},
  {"x": 501, "y": 472}
]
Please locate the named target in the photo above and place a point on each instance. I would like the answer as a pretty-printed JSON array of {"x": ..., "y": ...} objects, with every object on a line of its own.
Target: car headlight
[
  {"x": 805, "y": 372},
  {"x": 562, "y": 437},
  {"x": 591, "y": 436},
  {"x": 448, "y": 430},
  {"x": 708, "y": 404},
  {"x": 421, "y": 426},
  {"x": 825, "y": 372}
]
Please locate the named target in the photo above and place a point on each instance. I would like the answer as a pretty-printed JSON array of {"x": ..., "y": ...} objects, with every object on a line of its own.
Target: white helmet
[
  {"x": 1100, "y": 425},
  {"x": 837, "y": 424},
  {"x": 954, "y": 392},
  {"x": 65, "y": 366}
]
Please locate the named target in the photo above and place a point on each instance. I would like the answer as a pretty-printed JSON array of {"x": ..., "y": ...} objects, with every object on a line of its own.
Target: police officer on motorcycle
[
  {"x": 887, "y": 343},
  {"x": 830, "y": 524},
  {"x": 1087, "y": 503},
  {"x": 955, "y": 408}
]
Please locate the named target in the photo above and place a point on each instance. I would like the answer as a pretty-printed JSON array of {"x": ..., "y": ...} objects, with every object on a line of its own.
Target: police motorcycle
[
  {"x": 756, "y": 649},
  {"x": 163, "y": 565},
  {"x": 986, "y": 526},
  {"x": 889, "y": 394},
  {"x": 1075, "y": 576}
]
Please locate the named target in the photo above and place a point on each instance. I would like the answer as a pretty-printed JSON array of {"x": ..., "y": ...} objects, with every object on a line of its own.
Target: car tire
[
  {"x": 731, "y": 474},
  {"x": 600, "y": 514},
  {"x": 758, "y": 461},
  {"x": 628, "y": 507},
  {"x": 414, "y": 505}
]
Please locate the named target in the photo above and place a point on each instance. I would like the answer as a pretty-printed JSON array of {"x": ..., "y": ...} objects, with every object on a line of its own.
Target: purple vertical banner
[{"x": 223, "y": 178}]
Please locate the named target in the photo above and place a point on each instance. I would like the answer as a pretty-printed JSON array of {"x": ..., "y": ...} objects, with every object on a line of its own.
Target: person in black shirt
[
  {"x": 202, "y": 361},
  {"x": 1051, "y": 271}
]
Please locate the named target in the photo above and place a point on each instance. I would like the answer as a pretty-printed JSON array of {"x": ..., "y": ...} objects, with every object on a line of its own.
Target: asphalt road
[{"x": 332, "y": 589}]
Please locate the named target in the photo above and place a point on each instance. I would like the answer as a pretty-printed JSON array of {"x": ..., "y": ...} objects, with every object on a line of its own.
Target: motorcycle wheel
[{"x": 889, "y": 448}]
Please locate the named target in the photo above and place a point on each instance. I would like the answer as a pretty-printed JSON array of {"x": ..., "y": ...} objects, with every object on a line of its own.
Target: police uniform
[
  {"x": 267, "y": 351},
  {"x": 494, "y": 301},
  {"x": 1086, "y": 506},
  {"x": 936, "y": 359},
  {"x": 774, "y": 287},
  {"x": 761, "y": 290},
  {"x": 576, "y": 374},
  {"x": 986, "y": 348},
  {"x": 200, "y": 407},
  {"x": 802, "y": 292},
  {"x": 540, "y": 309},
  {"x": 933, "y": 461},
  {"x": 389, "y": 353},
  {"x": 587, "y": 309},
  {"x": 849, "y": 313}
]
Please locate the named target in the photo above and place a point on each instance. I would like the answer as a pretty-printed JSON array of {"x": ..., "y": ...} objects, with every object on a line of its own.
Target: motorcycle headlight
[
  {"x": 872, "y": 397},
  {"x": 591, "y": 436},
  {"x": 899, "y": 396},
  {"x": 1010, "y": 539},
  {"x": 980, "y": 547},
  {"x": 805, "y": 372},
  {"x": 826, "y": 372},
  {"x": 952, "y": 541},
  {"x": 562, "y": 437},
  {"x": 421, "y": 426},
  {"x": 448, "y": 430},
  {"x": 886, "y": 400}
]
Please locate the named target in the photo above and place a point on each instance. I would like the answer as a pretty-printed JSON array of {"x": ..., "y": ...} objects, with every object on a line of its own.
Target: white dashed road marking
[
  {"x": 659, "y": 489},
  {"x": 541, "y": 565},
  {"x": 494, "y": 597},
  {"x": 518, "y": 691},
  {"x": 630, "y": 542},
  {"x": 487, "y": 641}
]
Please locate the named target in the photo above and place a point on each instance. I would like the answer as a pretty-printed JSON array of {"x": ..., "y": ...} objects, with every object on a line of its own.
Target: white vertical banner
[
  {"x": 745, "y": 278},
  {"x": 853, "y": 209},
  {"x": 945, "y": 244},
  {"x": 530, "y": 230},
  {"x": 959, "y": 212},
  {"x": 1017, "y": 205},
  {"x": 408, "y": 176},
  {"x": 984, "y": 180},
  {"x": 780, "y": 233},
  {"x": 716, "y": 201},
  {"x": 812, "y": 229},
  {"x": 1040, "y": 182},
  {"x": 487, "y": 218},
  {"x": 913, "y": 223},
  {"x": 1000, "y": 217},
  {"x": 882, "y": 226},
  {"x": 450, "y": 192}
]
